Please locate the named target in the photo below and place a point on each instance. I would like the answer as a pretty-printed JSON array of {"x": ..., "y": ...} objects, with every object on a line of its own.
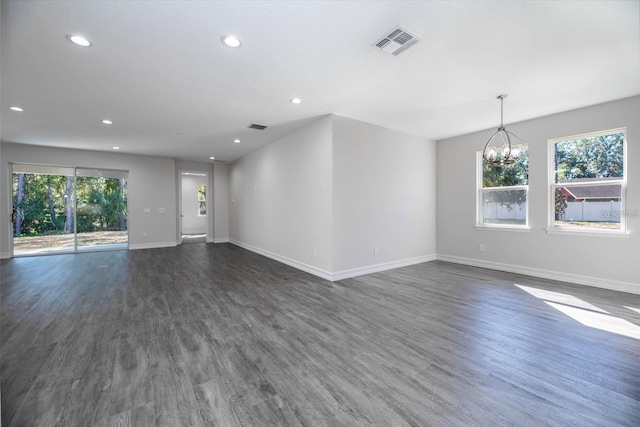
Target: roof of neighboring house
[{"x": 606, "y": 192}]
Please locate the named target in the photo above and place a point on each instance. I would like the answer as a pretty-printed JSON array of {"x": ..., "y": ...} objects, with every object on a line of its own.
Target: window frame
[
  {"x": 552, "y": 228},
  {"x": 480, "y": 191}
]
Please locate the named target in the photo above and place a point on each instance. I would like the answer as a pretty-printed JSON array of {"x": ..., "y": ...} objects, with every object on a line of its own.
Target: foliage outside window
[
  {"x": 45, "y": 204},
  {"x": 588, "y": 182},
  {"x": 202, "y": 200},
  {"x": 503, "y": 192}
]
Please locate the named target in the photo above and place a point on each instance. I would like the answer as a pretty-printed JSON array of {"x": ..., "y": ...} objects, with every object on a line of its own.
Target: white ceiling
[{"x": 160, "y": 72}]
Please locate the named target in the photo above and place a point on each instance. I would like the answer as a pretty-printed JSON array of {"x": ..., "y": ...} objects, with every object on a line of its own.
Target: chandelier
[{"x": 499, "y": 151}]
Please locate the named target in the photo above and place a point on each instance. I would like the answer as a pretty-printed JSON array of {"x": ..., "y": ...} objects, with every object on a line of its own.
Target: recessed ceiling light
[
  {"x": 295, "y": 101},
  {"x": 116, "y": 148},
  {"x": 107, "y": 122},
  {"x": 237, "y": 141},
  {"x": 231, "y": 41},
  {"x": 79, "y": 40},
  {"x": 212, "y": 158},
  {"x": 16, "y": 108}
]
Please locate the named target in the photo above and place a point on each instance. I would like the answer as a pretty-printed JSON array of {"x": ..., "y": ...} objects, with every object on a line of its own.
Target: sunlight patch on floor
[
  {"x": 561, "y": 298},
  {"x": 600, "y": 321},
  {"x": 585, "y": 313},
  {"x": 637, "y": 310}
]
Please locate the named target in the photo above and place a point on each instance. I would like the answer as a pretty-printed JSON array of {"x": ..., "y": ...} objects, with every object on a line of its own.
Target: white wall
[
  {"x": 221, "y": 202},
  {"x": 384, "y": 197},
  {"x": 151, "y": 184},
  {"x": 339, "y": 187},
  {"x": 600, "y": 261},
  {"x": 280, "y": 199},
  {"x": 192, "y": 222}
]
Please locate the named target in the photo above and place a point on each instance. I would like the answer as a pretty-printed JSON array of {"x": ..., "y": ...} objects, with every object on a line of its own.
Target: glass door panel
[
  {"x": 43, "y": 209},
  {"x": 101, "y": 209}
]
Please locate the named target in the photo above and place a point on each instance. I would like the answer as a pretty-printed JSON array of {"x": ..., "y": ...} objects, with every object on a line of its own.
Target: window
[
  {"x": 503, "y": 192},
  {"x": 588, "y": 182},
  {"x": 202, "y": 200}
]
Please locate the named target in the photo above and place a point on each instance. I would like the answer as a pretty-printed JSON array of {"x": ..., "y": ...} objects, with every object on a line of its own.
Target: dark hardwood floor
[{"x": 209, "y": 334}]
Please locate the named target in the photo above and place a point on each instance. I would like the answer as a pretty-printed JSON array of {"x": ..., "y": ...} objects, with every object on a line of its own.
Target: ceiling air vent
[
  {"x": 397, "y": 41},
  {"x": 256, "y": 126}
]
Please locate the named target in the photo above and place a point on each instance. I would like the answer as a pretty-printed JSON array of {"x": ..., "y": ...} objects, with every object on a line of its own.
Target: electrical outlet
[
  {"x": 315, "y": 252},
  {"x": 375, "y": 250},
  {"x": 145, "y": 234},
  {"x": 481, "y": 247}
]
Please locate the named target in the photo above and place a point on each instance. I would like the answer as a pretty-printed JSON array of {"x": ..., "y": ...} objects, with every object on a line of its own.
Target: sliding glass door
[
  {"x": 101, "y": 209},
  {"x": 65, "y": 210}
]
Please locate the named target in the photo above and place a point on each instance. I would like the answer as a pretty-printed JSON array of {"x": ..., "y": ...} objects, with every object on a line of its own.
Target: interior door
[{"x": 193, "y": 203}]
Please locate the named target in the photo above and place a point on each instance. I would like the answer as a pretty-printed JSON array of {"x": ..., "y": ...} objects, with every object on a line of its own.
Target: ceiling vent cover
[
  {"x": 397, "y": 41},
  {"x": 257, "y": 127}
]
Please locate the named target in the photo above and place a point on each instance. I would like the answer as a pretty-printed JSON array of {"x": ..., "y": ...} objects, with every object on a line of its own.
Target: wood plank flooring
[{"x": 208, "y": 335}]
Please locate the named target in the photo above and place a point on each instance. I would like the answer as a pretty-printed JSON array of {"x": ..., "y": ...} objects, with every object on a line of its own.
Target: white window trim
[
  {"x": 588, "y": 233},
  {"x": 552, "y": 185},
  {"x": 503, "y": 227},
  {"x": 480, "y": 190}
]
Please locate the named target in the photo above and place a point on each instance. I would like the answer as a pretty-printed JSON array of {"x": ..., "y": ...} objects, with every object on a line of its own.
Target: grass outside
[
  {"x": 66, "y": 240},
  {"x": 599, "y": 225}
]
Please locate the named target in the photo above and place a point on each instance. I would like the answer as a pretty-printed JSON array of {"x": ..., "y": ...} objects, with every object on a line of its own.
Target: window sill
[
  {"x": 496, "y": 227},
  {"x": 589, "y": 233}
]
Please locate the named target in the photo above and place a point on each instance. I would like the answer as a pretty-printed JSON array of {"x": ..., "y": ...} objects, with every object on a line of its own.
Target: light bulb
[
  {"x": 79, "y": 40},
  {"x": 231, "y": 41}
]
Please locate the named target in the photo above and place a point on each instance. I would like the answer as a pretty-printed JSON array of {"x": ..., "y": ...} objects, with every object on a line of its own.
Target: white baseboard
[
  {"x": 285, "y": 260},
  {"x": 340, "y": 275},
  {"x": 597, "y": 282},
  {"x": 5, "y": 255},
  {"x": 220, "y": 240},
  {"x": 151, "y": 245},
  {"x": 369, "y": 269}
]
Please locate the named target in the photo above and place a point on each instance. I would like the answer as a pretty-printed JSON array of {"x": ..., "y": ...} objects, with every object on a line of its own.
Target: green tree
[
  {"x": 502, "y": 176},
  {"x": 18, "y": 184},
  {"x": 68, "y": 204},
  {"x": 44, "y": 204},
  {"x": 101, "y": 204},
  {"x": 506, "y": 176},
  {"x": 593, "y": 157},
  {"x": 39, "y": 202},
  {"x": 560, "y": 204},
  {"x": 114, "y": 208}
]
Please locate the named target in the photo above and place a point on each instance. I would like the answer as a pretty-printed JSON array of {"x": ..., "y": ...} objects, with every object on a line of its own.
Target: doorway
[
  {"x": 68, "y": 209},
  {"x": 193, "y": 207}
]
